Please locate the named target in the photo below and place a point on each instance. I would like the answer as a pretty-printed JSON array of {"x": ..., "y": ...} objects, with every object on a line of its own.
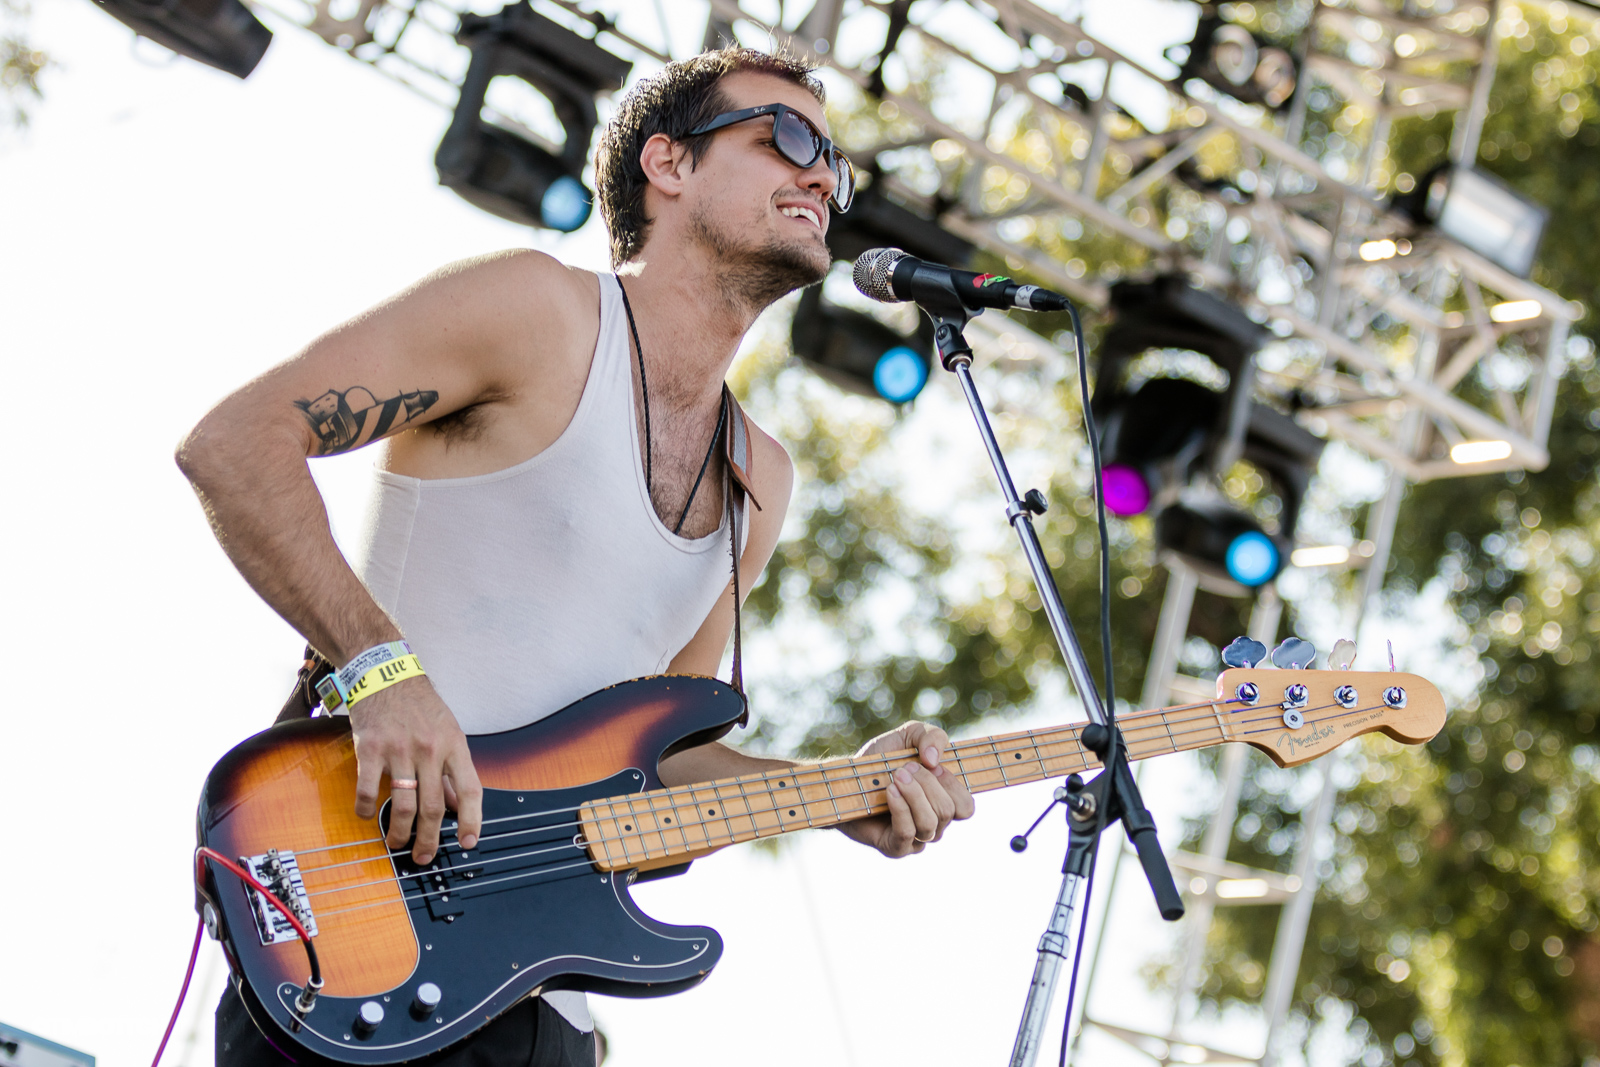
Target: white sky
[{"x": 169, "y": 231}]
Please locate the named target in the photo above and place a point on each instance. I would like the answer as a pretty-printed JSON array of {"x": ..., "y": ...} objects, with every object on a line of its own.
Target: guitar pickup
[
  {"x": 280, "y": 873},
  {"x": 442, "y": 883}
]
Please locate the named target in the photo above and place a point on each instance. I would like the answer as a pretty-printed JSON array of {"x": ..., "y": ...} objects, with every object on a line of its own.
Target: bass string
[
  {"x": 407, "y": 898},
  {"x": 681, "y": 830},
  {"x": 757, "y": 830},
  {"x": 959, "y": 753},
  {"x": 1325, "y": 718},
  {"x": 829, "y": 775},
  {"x": 731, "y": 838}
]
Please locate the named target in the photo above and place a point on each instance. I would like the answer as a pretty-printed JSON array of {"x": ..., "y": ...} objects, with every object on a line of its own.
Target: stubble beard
[{"x": 754, "y": 276}]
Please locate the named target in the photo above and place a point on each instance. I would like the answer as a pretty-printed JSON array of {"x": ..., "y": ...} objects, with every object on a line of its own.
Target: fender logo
[
  {"x": 1292, "y": 744},
  {"x": 983, "y": 281}
]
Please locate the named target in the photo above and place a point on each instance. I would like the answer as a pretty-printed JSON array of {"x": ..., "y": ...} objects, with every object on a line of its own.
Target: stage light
[
  {"x": 876, "y": 221},
  {"x": 1127, "y": 491},
  {"x": 1229, "y": 58},
  {"x": 1515, "y": 311},
  {"x": 503, "y": 172},
  {"x": 1479, "y": 211},
  {"x": 1320, "y": 556},
  {"x": 858, "y": 353},
  {"x": 1151, "y": 440},
  {"x": 1242, "y": 888},
  {"x": 1162, "y": 439},
  {"x": 1161, "y": 431},
  {"x": 219, "y": 33},
  {"x": 1469, "y": 452},
  {"x": 1374, "y": 251},
  {"x": 900, "y": 374},
  {"x": 1221, "y": 541},
  {"x": 1252, "y": 558}
]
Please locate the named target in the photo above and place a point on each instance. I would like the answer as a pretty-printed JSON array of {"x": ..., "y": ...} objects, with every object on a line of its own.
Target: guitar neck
[{"x": 665, "y": 826}]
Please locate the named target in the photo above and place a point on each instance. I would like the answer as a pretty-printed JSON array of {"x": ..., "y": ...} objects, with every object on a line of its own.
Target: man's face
[{"x": 758, "y": 212}]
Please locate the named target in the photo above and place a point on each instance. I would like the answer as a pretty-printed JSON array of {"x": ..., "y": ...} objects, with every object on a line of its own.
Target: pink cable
[{"x": 194, "y": 954}]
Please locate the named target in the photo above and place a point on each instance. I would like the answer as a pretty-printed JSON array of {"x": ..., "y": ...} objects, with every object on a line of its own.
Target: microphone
[{"x": 890, "y": 275}]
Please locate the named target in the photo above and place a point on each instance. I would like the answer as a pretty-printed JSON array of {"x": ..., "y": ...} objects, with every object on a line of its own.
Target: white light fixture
[
  {"x": 1373, "y": 251},
  {"x": 1320, "y": 556},
  {"x": 1480, "y": 451},
  {"x": 1516, "y": 311},
  {"x": 1484, "y": 214},
  {"x": 1242, "y": 888}
]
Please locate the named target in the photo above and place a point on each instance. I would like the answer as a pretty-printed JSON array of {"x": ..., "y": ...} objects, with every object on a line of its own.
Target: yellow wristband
[{"x": 383, "y": 676}]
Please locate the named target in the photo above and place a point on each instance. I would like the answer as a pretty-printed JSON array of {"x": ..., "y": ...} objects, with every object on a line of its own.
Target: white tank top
[{"x": 523, "y": 590}]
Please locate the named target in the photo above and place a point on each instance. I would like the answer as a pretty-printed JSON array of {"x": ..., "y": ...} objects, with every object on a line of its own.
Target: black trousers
[{"x": 532, "y": 1034}]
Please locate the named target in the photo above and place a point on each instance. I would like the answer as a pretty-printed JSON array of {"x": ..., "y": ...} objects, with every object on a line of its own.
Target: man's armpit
[{"x": 347, "y": 420}]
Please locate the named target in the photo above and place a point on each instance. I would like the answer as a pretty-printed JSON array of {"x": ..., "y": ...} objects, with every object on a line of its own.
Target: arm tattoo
[{"x": 348, "y": 420}]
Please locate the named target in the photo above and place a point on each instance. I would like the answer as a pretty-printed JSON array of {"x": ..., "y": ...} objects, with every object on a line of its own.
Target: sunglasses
[{"x": 797, "y": 141}]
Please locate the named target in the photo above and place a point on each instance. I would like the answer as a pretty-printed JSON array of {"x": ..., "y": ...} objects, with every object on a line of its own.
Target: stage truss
[{"x": 1006, "y": 130}]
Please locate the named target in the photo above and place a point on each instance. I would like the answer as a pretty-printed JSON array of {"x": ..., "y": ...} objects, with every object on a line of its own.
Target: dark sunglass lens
[
  {"x": 845, "y": 190},
  {"x": 799, "y": 143}
]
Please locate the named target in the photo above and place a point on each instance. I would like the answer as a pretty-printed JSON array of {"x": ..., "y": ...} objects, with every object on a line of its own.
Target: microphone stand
[{"x": 1113, "y": 795}]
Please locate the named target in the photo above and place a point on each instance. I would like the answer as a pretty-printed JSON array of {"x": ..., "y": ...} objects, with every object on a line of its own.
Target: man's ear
[{"x": 665, "y": 163}]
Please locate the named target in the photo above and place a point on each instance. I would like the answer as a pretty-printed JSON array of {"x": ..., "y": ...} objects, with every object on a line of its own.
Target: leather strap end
[{"x": 738, "y": 451}]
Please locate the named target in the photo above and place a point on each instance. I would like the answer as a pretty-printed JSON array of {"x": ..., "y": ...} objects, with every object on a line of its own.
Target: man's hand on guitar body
[
  {"x": 923, "y": 797},
  {"x": 407, "y": 732}
]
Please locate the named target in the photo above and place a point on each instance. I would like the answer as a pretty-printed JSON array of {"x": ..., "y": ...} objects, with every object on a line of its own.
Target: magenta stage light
[{"x": 1126, "y": 491}]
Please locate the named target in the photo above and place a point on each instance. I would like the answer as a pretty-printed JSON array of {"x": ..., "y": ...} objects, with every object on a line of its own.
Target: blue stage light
[
  {"x": 899, "y": 375},
  {"x": 1252, "y": 558},
  {"x": 566, "y": 205}
]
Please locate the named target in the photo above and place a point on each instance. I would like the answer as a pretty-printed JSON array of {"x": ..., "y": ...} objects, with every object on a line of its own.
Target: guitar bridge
[{"x": 280, "y": 873}]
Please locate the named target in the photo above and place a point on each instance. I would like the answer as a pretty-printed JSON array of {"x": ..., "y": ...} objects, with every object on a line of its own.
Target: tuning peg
[
  {"x": 1243, "y": 652},
  {"x": 1294, "y": 653},
  {"x": 1343, "y": 656}
]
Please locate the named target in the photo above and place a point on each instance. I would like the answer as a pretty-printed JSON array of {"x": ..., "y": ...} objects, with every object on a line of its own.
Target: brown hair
[{"x": 684, "y": 95}]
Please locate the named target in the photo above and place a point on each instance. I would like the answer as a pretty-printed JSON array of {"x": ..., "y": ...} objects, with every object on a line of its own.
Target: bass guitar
[{"x": 409, "y": 960}]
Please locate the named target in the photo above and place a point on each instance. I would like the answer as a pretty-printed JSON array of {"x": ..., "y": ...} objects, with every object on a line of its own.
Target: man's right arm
[{"x": 451, "y": 342}]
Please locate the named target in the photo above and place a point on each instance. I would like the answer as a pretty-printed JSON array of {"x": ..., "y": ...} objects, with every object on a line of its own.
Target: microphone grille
[{"x": 873, "y": 270}]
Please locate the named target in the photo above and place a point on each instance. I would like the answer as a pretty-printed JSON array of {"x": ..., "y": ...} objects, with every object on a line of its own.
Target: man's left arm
[{"x": 924, "y": 796}]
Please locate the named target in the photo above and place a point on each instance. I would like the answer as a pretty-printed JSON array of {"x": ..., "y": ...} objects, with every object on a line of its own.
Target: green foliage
[
  {"x": 1460, "y": 910},
  {"x": 20, "y": 66}
]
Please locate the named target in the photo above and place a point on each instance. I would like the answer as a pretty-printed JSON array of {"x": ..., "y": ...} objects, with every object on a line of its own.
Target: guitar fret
[
  {"x": 1216, "y": 712},
  {"x": 616, "y": 834},
  {"x": 828, "y": 785},
  {"x": 722, "y": 802},
  {"x": 675, "y": 817},
  {"x": 1037, "y": 755}
]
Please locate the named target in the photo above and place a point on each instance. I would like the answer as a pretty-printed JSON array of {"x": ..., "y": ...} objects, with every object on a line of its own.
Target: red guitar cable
[{"x": 202, "y": 854}]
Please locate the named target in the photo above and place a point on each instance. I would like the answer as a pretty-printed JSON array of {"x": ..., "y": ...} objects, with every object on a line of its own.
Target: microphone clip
[{"x": 949, "y": 339}]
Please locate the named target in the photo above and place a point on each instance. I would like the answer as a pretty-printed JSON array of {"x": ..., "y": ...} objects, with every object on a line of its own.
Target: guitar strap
[{"x": 737, "y": 452}]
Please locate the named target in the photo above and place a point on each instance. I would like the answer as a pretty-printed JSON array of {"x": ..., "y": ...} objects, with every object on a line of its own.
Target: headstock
[{"x": 1295, "y": 715}]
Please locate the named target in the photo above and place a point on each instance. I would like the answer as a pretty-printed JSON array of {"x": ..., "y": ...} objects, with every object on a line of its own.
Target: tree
[
  {"x": 20, "y": 65},
  {"x": 1459, "y": 917}
]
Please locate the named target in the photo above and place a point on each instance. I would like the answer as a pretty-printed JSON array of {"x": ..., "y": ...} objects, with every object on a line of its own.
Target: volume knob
[
  {"x": 368, "y": 1018},
  {"x": 427, "y": 999}
]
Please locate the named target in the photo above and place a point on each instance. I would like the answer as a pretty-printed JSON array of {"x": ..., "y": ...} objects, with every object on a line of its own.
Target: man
[{"x": 551, "y": 514}]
